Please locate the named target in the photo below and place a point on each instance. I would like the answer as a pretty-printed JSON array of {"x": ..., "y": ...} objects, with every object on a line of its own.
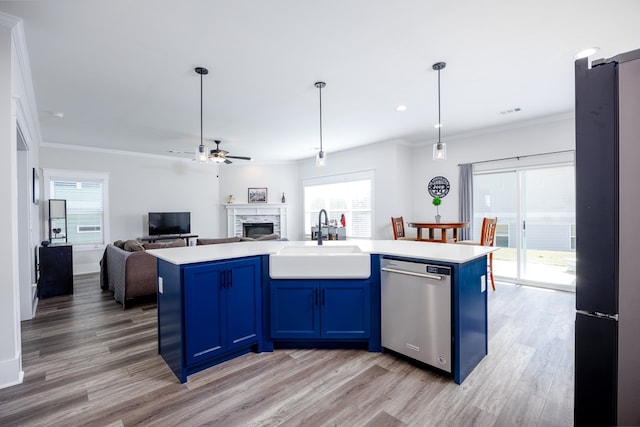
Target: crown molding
[{"x": 503, "y": 128}]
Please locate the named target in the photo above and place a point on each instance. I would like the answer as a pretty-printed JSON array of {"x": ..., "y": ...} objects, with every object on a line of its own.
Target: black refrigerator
[{"x": 607, "y": 328}]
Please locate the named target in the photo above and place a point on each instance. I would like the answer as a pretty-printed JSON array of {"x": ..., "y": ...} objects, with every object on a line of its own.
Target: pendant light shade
[
  {"x": 201, "y": 153},
  {"x": 439, "y": 148},
  {"x": 321, "y": 157}
]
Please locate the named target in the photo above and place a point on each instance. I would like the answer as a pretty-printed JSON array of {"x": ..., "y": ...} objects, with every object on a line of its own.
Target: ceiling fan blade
[
  {"x": 227, "y": 161},
  {"x": 238, "y": 157}
]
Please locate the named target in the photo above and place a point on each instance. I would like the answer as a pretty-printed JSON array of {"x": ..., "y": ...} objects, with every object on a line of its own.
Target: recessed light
[
  {"x": 585, "y": 53},
  {"x": 401, "y": 108}
]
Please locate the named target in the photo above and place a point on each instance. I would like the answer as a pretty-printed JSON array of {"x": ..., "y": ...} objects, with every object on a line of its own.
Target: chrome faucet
[{"x": 326, "y": 217}]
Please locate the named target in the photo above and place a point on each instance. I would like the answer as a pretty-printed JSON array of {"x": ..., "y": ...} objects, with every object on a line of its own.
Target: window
[
  {"x": 349, "y": 195},
  {"x": 86, "y": 196},
  {"x": 502, "y": 235}
]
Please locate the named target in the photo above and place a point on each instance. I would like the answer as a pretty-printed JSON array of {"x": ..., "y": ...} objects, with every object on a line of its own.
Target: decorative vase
[
  {"x": 438, "y": 219},
  {"x": 283, "y": 199}
]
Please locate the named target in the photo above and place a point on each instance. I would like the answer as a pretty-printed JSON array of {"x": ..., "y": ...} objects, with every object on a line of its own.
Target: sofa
[{"x": 131, "y": 273}]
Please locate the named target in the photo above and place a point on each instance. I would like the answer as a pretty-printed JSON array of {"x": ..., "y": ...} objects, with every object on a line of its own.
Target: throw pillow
[
  {"x": 133, "y": 246},
  {"x": 119, "y": 244}
]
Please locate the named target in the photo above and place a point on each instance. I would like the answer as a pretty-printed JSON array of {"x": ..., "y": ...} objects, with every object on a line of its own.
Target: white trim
[
  {"x": 22, "y": 84},
  {"x": 502, "y": 128},
  {"x": 11, "y": 372},
  {"x": 342, "y": 177},
  {"x": 530, "y": 161},
  {"x": 171, "y": 157}
]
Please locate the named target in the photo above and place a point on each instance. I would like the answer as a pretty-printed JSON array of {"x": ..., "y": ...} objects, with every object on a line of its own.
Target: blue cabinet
[
  {"x": 220, "y": 308},
  {"x": 327, "y": 309},
  {"x": 208, "y": 312}
]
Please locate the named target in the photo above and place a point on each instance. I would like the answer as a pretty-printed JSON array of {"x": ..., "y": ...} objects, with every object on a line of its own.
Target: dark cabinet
[
  {"x": 325, "y": 309},
  {"x": 208, "y": 312},
  {"x": 221, "y": 308},
  {"x": 56, "y": 270}
]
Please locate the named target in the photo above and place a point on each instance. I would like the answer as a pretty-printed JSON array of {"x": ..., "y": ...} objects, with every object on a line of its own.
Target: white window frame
[
  {"x": 342, "y": 178},
  {"x": 75, "y": 175}
]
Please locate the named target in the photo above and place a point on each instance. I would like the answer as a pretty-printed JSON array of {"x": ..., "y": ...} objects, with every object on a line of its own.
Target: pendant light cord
[
  {"x": 201, "y": 140},
  {"x": 320, "y": 88},
  {"x": 439, "y": 119}
]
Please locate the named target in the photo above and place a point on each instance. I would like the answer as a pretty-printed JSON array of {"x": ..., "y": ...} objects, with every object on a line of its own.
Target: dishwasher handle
[{"x": 412, "y": 273}]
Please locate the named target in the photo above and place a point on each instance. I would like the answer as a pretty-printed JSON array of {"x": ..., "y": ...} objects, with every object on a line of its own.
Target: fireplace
[{"x": 256, "y": 229}]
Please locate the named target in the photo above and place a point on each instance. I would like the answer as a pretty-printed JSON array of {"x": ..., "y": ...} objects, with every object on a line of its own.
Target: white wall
[
  {"x": 391, "y": 164},
  {"x": 138, "y": 185},
  {"x": 555, "y": 134},
  {"x": 237, "y": 178}
]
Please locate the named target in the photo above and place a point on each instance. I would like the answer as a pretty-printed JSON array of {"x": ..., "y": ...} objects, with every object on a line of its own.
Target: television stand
[{"x": 152, "y": 239}]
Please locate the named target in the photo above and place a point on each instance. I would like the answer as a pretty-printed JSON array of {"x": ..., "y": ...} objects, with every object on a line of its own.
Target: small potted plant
[{"x": 436, "y": 202}]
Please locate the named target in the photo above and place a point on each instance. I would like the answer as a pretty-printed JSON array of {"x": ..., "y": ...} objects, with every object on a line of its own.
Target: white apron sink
[{"x": 320, "y": 262}]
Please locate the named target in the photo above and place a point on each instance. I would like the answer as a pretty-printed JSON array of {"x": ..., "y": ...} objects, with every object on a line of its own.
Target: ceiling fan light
[
  {"x": 321, "y": 159},
  {"x": 440, "y": 151}
]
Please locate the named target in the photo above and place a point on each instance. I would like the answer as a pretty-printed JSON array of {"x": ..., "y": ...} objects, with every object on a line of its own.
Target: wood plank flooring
[{"x": 88, "y": 362}]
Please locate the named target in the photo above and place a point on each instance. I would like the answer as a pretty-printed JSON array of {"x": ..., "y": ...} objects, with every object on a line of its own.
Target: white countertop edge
[{"x": 444, "y": 252}]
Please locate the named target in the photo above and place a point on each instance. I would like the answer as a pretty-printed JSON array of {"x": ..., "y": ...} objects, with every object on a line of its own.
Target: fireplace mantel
[{"x": 238, "y": 214}]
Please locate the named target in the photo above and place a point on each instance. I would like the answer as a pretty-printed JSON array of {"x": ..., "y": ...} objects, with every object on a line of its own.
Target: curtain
[{"x": 466, "y": 200}]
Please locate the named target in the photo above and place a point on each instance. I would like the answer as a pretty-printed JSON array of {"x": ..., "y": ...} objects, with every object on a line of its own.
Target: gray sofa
[
  {"x": 128, "y": 271},
  {"x": 131, "y": 273}
]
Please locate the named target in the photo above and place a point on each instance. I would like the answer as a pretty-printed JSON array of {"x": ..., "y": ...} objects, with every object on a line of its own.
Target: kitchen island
[{"x": 216, "y": 302}]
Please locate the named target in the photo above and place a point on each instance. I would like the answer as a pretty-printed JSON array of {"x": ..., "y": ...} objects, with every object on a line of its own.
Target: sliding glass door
[{"x": 536, "y": 231}]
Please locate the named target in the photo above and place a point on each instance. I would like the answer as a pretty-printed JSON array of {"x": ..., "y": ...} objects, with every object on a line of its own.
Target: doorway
[{"x": 536, "y": 231}]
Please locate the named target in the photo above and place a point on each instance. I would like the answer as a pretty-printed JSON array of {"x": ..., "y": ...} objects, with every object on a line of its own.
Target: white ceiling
[{"x": 122, "y": 71}]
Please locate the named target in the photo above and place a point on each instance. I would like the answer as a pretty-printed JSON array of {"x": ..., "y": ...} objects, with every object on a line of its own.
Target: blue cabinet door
[
  {"x": 346, "y": 308},
  {"x": 204, "y": 321},
  {"x": 294, "y": 309},
  {"x": 243, "y": 303}
]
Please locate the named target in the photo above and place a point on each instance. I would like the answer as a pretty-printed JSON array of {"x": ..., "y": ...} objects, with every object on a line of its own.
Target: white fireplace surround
[{"x": 256, "y": 212}]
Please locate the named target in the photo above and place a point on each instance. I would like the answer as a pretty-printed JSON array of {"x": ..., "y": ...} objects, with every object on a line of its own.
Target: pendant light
[
  {"x": 201, "y": 152},
  {"x": 439, "y": 148},
  {"x": 321, "y": 157}
]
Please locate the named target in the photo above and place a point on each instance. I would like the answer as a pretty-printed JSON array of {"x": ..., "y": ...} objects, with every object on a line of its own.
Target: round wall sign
[{"x": 438, "y": 186}]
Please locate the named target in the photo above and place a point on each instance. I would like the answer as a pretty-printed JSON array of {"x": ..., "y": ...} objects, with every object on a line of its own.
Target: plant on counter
[{"x": 436, "y": 202}]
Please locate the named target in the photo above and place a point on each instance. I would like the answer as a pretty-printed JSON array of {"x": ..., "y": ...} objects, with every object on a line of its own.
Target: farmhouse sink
[{"x": 320, "y": 262}]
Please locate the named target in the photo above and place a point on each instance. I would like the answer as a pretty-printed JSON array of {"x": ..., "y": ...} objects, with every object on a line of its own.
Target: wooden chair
[
  {"x": 487, "y": 238},
  {"x": 398, "y": 229}
]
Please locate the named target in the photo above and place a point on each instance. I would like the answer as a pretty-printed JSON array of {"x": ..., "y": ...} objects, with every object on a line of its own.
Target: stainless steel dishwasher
[{"x": 416, "y": 311}]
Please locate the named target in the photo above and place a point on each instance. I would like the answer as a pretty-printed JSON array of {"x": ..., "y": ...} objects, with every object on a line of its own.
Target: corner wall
[{"x": 139, "y": 184}]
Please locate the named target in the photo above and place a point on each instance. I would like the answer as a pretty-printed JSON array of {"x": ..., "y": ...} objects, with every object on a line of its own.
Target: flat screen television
[{"x": 162, "y": 223}]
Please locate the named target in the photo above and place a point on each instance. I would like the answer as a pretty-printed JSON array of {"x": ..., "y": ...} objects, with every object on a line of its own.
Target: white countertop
[{"x": 447, "y": 252}]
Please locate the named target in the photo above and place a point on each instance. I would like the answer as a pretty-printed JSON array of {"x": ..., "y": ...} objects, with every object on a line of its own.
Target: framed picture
[
  {"x": 257, "y": 195},
  {"x": 35, "y": 186}
]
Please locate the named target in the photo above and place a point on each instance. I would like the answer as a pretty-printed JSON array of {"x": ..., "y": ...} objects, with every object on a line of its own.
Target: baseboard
[{"x": 11, "y": 372}]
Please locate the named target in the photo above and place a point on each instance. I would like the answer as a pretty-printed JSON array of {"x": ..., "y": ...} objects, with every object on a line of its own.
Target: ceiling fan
[
  {"x": 217, "y": 155},
  {"x": 220, "y": 156}
]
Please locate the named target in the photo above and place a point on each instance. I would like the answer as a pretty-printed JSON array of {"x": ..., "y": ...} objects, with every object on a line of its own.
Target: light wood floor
[{"x": 88, "y": 362}]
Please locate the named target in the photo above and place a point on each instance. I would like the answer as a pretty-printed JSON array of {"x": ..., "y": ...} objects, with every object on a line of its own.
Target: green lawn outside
[{"x": 559, "y": 258}]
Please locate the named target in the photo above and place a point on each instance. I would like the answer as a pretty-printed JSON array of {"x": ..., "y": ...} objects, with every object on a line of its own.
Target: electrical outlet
[
  {"x": 483, "y": 283},
  {"x": 160, "y": 284}
]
